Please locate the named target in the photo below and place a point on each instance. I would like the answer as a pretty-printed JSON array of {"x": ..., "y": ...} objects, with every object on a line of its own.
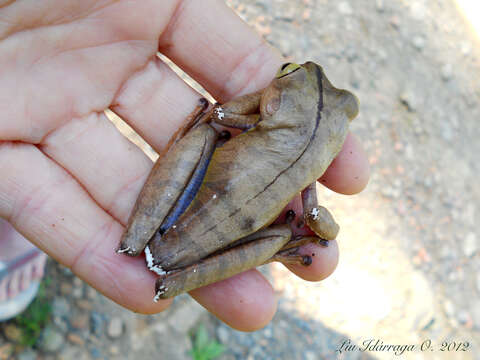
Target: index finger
[{"x": 218, "y": 49}]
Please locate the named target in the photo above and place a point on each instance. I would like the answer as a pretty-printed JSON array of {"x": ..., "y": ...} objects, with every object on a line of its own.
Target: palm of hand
[{"x": 71, "y": 178}]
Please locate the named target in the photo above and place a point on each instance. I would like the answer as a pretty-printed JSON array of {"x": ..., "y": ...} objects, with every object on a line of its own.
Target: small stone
[
  {"x": 222, "y": 334},
  {"x": 379, "y": 5},
  {"x": 96, "y": 324},
  {"x": 51, "y": 340},
  {"x": 310, "y": 355},
  {"x": 114, "y": 350},
  {"x": 73, "y": 352},
  {"x": 91, "y": 292},
  {"x": 75, "y": 339},
  {"x": 408, "y": 99},
  {"x": 267, "y": 331},
  {"x": 77, "y": 292},
  {"x": 84, "y": 304},
  {"x": 66, "y": 288},
  {"x": 418, "y": 42},
  {"x": 470, "y": 245},
  {"x": 115, "y": 327},
  {"x": 6, "y": 351},
  {"x": 465, "y": 48},
  {"x": 27, "y": 355},
  {"x": 96, "y": 353},
  {"x": 186, "y": 316},
  {"x": 419, "y": 11},
  {"x": 61, "y": 323},
  {"x": 476, "y": 314},
  {"x": 345, "y": 8},
  {"x": 60, "y": 307},
  {"x": 13, "y": 333},
  {"x": 80, "y": 321},
  {"x": 449, "y": 308},
  {"x": 447, "y": 72},
  {"x": 391, "y": 192},
  {"x": 463, "y": 317},
  {"x": 446, "y": 132},
  {"x": 351, "y": 54}
]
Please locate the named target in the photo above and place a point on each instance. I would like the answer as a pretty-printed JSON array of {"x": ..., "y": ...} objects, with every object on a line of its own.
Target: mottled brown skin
[
  {"x": 256, "y": 174},
  {"x": 297, "y": 126}
]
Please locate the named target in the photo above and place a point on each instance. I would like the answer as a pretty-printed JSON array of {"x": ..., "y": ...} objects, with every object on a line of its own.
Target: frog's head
[{"x": 307, "y": 83}]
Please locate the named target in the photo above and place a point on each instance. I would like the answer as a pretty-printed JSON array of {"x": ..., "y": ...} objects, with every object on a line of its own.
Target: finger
[
  {"x": 108, "y": 166},
  {"x": 324, "y": 258},
  {"x": 324, "y": 261},
  {"x": 44, "y": 203},
  {"x": 245, "y": 301},
  {"x": 155, "y": 102},
  {"x": 225, "y": 63},
  {"x": 349, "y": 172},
  {"x": 97, "y": 49}
]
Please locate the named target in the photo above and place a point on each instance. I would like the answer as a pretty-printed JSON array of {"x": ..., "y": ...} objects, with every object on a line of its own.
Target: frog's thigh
[
  {"x": 253, "y": 251},
  {"x": 317, "y": 217},
  {"x": 173, "y": 178}
]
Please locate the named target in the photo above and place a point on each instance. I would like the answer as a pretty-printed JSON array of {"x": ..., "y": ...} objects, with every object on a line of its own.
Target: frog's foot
[
  {"x": 157, "y": 269},
  {"x": 288, "y": 254},
  {"x": 317, "y": 217},
  {"x": 21, "y": 269}
]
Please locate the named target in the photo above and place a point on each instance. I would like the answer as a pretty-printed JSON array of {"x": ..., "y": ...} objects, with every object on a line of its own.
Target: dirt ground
[{"x": 409, "y": 272}]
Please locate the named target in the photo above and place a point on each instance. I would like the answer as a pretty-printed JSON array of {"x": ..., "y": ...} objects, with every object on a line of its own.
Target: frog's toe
[{"x": 157, "y": 269}]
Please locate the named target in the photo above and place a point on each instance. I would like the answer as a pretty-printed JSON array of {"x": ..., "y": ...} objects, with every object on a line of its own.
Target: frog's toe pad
[{"x": 157, "y": 269}]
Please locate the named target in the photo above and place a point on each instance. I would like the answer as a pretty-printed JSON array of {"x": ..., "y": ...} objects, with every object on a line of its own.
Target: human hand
[{"x": 70, "y": 179}]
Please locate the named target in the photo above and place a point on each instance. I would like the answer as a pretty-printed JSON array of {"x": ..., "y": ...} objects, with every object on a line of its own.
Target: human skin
[{"x": 70, "y": 179}]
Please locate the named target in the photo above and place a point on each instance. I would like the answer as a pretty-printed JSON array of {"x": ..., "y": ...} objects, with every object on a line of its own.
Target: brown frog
[{"x": 206, "y": 209}]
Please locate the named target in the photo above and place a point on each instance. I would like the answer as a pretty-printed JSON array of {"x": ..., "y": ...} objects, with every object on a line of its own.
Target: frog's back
[{"x": 251, "y": 179}]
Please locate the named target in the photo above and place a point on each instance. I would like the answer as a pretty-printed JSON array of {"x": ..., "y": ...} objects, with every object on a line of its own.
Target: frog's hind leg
[
  {"x": 171, "y": 184},
  {"x": 255, "y": 250}
]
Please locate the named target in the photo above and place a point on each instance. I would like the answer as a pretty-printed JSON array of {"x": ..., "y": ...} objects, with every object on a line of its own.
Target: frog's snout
[{"x": 352, "y": 106}]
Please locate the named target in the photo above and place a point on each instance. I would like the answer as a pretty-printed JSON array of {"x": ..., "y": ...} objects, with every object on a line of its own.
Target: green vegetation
[
  {"x": 32, "y": 321},
  {"x": 203, "y": 347}
]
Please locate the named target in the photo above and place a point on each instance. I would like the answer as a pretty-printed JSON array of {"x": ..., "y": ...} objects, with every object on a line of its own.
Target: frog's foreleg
[
  {"x": 255, "y": 250},
  {"x": 317, "y": 217},
  {"x": 240, "y": 113}
]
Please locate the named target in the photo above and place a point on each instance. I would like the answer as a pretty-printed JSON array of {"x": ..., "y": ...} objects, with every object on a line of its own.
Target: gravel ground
[{"x": 409, "y": 270}]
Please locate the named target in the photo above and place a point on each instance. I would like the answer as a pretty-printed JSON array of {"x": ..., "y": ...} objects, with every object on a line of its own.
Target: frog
[{"x": 207, "y": 209}]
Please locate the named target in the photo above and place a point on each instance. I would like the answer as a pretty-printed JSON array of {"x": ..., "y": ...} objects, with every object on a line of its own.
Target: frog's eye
[{"x": 286, "y": 69}]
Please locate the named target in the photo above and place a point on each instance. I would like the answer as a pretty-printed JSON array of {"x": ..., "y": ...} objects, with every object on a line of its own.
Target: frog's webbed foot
[
  {"x": 318, "y": 219},
  {"x": 289, "y": 255}
]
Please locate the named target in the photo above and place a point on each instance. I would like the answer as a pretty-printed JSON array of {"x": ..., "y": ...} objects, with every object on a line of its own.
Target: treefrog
[{"x": 206, "y": 210}]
